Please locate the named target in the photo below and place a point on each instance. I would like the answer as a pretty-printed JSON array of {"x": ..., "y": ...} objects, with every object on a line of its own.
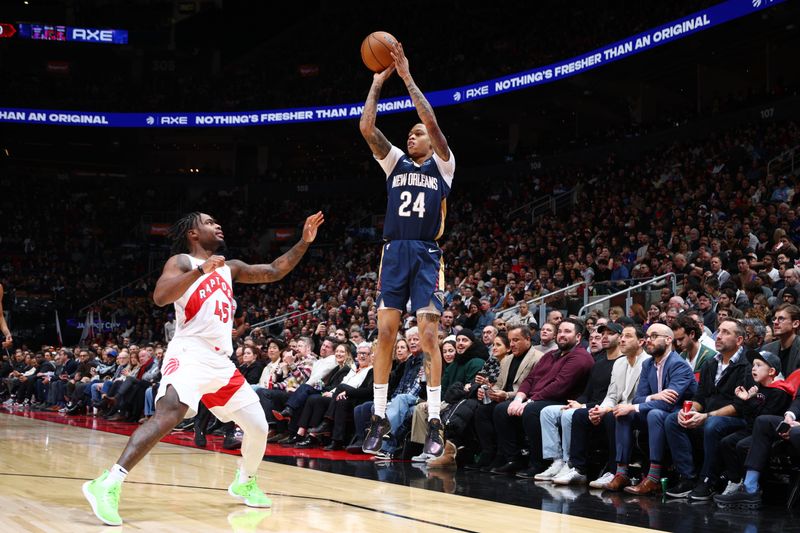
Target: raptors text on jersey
[{"x": 205, "y": 311}]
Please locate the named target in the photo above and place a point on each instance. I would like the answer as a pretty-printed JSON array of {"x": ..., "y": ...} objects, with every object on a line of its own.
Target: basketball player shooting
[
  {"x": 417, "y": 184},
  {"x": 197, "y": 365}
]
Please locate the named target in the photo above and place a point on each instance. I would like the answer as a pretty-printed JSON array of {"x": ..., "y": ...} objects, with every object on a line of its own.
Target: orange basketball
[{"x": 375, "y": 50}]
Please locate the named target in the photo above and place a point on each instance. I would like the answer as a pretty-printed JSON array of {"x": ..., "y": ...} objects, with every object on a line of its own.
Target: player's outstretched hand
[
  {"x": 212, "y": 263},
  {"x": 400, "y": 59},
  {"x": 8, "y": 342},
  {"x": 312, "y": 224},
  {"x": 381, "y": 77}
]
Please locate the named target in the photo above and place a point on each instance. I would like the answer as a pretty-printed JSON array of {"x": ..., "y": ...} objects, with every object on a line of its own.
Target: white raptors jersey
[{"x": 205, "y": 311}]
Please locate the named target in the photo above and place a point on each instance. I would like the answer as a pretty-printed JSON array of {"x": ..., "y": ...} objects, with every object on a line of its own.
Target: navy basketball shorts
[{"x": 411, "y": 270}]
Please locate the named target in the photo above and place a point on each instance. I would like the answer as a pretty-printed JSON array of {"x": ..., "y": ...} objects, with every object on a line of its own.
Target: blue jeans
[
  {"x": 149, "y": 405},
  {"x": 105, "y": 386},
  {"x": 555, "y": 446},
  {"x": 361, "y": 415},
  {"x": 712, "y": 432},
  {"x": 397, "y": 410}
]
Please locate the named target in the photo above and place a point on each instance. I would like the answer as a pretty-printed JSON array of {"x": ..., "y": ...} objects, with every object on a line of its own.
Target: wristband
[{"x": 200, "y": 269}]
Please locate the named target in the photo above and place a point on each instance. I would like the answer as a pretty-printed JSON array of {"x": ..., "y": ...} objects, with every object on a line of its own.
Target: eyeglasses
[
  {"x": 780, "y": 319},
  {"x": 365, "y": 354},
  {"x": 654, "y": 336}
]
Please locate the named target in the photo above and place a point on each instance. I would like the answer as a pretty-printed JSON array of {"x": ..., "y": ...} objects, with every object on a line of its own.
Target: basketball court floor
[{"x": 45, "y": 457}]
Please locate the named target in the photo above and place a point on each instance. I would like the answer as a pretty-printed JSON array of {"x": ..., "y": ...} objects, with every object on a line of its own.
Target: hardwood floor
[{"x": 177, "y": 488}]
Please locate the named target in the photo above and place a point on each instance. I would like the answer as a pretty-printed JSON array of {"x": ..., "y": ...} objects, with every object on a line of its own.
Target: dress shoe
[
  {"x": 286, "y": 414},
  {"x": 334, "y": 446},
  {"x": 200, "y": 438},
  {"x": 277, "y": 437},
  {"x": 510, "y": 468},
  {"x": 323, "y": 429},
  {"x": 488, "y": 469},
  {"x": 483, "y": 462},
  {"x": 618, "y": 483},
  {"x": 528, "y": 473},
  {"x": 77, "y": 409},
  {"x": 645, "y": 487},
  {"x": 118, "y": 417},
  {"x": 306, "y": 442},
  {"x": 289, "y": 441}
]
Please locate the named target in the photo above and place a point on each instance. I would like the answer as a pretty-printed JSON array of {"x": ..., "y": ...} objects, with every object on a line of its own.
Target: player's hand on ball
[
  {"x": 400, "y": 60},
  {"x": 383, "y": 75},
  {"x": 212, "y": 263},
  {"x": 312, "y": 224}
]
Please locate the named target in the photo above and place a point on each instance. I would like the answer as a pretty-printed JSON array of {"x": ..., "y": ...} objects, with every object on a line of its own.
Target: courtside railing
[
  {"x": 542, "y": 299},
  {"x": 627, "y": 291}
]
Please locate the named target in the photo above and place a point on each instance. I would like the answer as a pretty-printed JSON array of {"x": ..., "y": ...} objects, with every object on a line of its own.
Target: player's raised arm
[
  {"x": 178, "y": 275},
  {"x": 424, "y": 109},
  {"x": 377, "y": 142},
  {"x": 244, "y": 273}
]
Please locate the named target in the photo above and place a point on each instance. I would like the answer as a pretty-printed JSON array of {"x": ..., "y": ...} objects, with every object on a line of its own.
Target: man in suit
[
  {"x": 665, "y": 382},
  {"x": 785, "y": 324},
  {"x": 513, "y": 371},
  {"x": 588, "y": 423}
]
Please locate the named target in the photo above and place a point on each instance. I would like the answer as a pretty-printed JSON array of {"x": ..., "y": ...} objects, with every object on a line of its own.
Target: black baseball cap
[
  {"x": 612, "y": 327},
  {"x": 768, "y": 357}
]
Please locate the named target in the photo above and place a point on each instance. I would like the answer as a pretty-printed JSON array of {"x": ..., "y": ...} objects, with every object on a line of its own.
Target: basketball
[{"x": 375, "y": 50}]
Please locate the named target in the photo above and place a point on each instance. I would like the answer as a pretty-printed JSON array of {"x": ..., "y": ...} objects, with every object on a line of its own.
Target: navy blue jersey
[{"x": 417, "y": 196}]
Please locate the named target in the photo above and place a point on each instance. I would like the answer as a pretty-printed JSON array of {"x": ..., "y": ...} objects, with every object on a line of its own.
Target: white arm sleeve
[
  {"x": 390, "y": 161},
  {"x": 447, "y": 168}
]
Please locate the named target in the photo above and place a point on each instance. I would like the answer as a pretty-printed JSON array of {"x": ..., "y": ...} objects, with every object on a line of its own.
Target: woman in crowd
[
  {"x": 637, "y": 314},
  {"x": 252, "y": 366},
  {"x": 355, "y": 389},
  {"x": 270, "y": 373},
  {"x": 317, "y": 405},
  {"x": 401, "y": 352}
]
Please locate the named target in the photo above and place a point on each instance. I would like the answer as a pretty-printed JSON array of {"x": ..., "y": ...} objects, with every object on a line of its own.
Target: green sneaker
[
  {"x": 104, "y": 499},
  {"x": 249, "y": 492}
]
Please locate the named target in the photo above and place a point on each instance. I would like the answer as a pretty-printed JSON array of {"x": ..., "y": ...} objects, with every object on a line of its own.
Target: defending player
[
  {"x": 197, "y": 363},
  {"x": 412, "y": 268}
]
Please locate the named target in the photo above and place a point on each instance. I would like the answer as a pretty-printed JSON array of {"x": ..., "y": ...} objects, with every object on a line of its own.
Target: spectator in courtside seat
[
  {"x": 665, "y": 382},
  {"x": 559, "y": 375}
]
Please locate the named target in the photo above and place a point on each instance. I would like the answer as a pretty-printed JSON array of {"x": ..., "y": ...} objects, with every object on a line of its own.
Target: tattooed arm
[
  {"x": 244, "y": 273},
  {"x": 424, "y": 109},
  {"x": 377, "y": 142}
]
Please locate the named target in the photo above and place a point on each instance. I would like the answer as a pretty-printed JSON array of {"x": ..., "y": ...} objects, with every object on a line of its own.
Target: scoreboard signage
[
  {"x": 56, "y": 32},
  {"x": 681, "y": 28}
]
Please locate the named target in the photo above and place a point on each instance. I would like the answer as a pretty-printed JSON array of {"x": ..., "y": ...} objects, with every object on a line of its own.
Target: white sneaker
[
  {"x": 569, "y": 477},
  {"x": 602, "y": 481},
  {"x": 551, "y": 472},
  {"x": 422, "y": 458},
  {"x": 731, "y": 488}
]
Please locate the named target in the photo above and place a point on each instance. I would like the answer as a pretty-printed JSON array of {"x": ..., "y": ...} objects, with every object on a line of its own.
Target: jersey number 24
[{"x": 418, "y": 207}]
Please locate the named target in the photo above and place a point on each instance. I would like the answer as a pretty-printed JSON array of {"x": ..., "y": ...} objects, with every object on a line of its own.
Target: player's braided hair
[{"x": 180, "y": 244}]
